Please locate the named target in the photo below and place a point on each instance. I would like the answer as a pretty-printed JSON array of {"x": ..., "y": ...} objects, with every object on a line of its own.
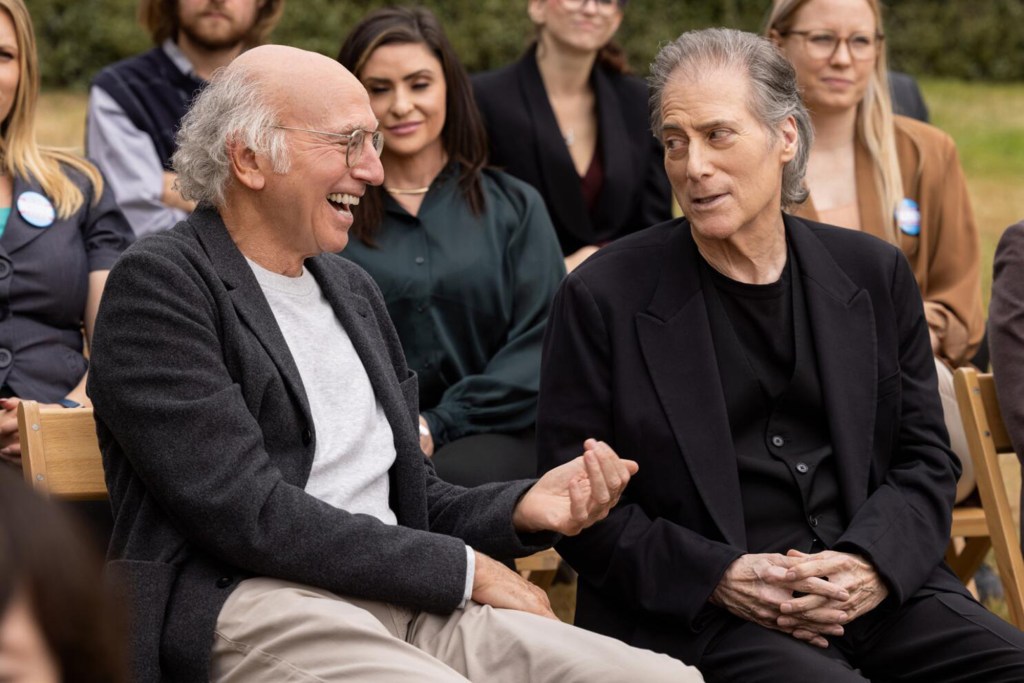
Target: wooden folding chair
[
  {"x": 60, "y": 455},
  {"x": 991, "y": 525},
  {"x": 540, "y": 568}
]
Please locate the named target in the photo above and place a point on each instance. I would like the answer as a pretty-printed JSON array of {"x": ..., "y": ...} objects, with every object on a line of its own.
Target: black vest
[
  {"x": 153, "y": 93},
  {"x": 788, "y": 482}
]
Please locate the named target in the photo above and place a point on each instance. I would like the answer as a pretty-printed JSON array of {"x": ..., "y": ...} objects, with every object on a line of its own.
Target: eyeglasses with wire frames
[
  {"x": 353, "y": 142},
  {"x": 602, "y": 6},
  {"x": 823, "y": 44}
]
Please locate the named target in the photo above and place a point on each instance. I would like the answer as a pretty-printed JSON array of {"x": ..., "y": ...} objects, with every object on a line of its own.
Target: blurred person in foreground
[
  {"x": 465, "y": 256},
  {"x": 60, "y": 232},
  {"x": 136, "y": 105},
  {"x": 275, "y": 516},
  {"x": 569, "y": 119},
  {"x": 57, "y": 624},
  {"x": 887, "y": 175},
  {"x": 773, "y": 377}
]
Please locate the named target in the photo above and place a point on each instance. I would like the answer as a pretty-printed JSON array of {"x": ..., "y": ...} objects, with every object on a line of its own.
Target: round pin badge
[
  {"x": 908, "y": 217},
  {"x": 36, "y": 209}
]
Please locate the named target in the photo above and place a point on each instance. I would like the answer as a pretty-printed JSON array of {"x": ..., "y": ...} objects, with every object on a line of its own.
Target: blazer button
[
  {"x": 802, "y": 467},
  {"x": 778, "y": 441},
  {"x": 5, "y": 358},
  {"x": 224, "y": 582},
  {"x": 307, "y": 436},
  {"x": 813, "y": 520},
  {"x": 5, "y": 269}
]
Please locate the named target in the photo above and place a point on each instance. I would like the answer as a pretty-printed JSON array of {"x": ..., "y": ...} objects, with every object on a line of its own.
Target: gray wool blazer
[{"x": 207, "y": 443}]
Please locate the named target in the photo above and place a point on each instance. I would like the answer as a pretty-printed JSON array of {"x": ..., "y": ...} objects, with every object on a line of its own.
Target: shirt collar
[{"x": 175, "y": 54}]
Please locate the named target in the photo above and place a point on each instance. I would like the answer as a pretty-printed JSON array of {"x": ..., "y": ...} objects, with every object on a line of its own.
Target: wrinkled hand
[
  {"x": 756, "y": 587},
  {"x": 854, "y": 574},
  {"x": 426, "y": 439},
  {"x": 496, "y": 585},
  {"x": 575, "y": 495},
  {"x": 10, "y": 446}
]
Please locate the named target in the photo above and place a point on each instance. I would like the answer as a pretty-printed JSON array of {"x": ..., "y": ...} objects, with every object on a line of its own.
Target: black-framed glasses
[
  {"x": 823, "y": 44},
  {"x": 602, "y": 6},
  {"x": 354, "y": 142}
]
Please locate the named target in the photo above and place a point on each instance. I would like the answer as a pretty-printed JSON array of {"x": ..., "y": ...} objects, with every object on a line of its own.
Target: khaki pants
[
  {"x": 955, "y": 427},
  {"x": 272, "y": 630}
]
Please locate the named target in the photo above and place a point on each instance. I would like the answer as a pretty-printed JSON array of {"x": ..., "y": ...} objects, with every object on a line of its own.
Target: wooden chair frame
[
  {"x": 60, "y": 455},
  {"x": 992, "y": 525}
]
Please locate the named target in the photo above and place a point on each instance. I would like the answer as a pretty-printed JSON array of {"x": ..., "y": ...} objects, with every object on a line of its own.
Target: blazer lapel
[
  {"x": 616, "y": 149},
  {"x": 247, "y": 297},
  {"x": 565, "y": 197},
  {"x": 675, "y": 338},
  {"x": 842, "y": 325},
  {"x": 360, "y": 324},
  {"x": 18, "y": 232}
]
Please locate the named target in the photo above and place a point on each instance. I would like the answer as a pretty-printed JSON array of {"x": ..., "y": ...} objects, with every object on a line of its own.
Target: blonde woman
[
  {"x": 891, "y": 176},
  {"x": 60, "y": 232}
]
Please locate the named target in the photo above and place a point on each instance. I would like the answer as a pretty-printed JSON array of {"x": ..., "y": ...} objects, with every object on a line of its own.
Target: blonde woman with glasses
[
  {"x": 888, "y": 175},
  {"x": 570, "y": 120}
]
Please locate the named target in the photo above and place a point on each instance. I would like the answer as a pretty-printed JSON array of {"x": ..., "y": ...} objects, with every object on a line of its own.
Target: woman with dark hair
[
  {"x": 568, "y": 119},
  {"x": 60, "y": 232},
  {"x": 56, "y": 622},
  {"x": 466, "y": 256}
]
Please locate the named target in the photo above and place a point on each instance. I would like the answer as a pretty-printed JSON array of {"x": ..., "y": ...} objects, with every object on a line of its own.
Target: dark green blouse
[{"x": 469, "y": 296}]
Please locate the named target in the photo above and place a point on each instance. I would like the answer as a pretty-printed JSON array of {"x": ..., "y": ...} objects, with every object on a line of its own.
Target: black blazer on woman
[{"x": 526, "y": 142}]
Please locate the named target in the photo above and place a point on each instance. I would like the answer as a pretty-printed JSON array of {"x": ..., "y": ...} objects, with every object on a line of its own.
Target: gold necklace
[{"x": 411, "y": 190}]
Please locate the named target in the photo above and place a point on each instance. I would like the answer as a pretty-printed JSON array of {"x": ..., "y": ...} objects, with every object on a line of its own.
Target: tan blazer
[{"x": 945, "y": 254}]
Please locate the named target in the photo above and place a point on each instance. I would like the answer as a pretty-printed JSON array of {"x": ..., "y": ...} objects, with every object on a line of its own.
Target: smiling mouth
[
  {"x": 403, "y": 128},
  {"x": 342, "y": 202}
]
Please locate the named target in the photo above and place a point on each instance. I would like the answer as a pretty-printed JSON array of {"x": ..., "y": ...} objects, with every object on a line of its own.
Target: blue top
[
  {"x": 44, "y": 282},
  {"x": 469, "y": 296}
]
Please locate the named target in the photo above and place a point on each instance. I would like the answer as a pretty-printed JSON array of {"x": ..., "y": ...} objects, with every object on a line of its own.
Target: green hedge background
[{"x": 966, "y": 39}]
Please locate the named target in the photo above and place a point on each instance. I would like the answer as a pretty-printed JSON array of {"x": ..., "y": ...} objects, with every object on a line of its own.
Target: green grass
[{"x": 987, "y": 122}]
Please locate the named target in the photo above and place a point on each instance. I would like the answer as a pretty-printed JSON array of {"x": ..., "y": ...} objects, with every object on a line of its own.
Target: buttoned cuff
[{"x": 467, "y": 592}]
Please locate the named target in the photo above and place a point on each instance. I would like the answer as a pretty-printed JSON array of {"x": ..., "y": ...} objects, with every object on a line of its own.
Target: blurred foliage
[{"x": 980, "y": 39}]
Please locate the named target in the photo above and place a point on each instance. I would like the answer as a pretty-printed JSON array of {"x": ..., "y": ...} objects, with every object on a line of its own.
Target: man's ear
[
  {"x": 245, "y": 166},
  {"x": 790, "y": 137}
]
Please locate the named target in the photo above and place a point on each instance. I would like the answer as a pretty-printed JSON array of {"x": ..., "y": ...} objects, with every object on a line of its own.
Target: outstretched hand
[{"x": 573, "y": 496}]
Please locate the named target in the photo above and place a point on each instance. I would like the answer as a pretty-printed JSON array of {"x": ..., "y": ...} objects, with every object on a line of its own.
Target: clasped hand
[{"x": 807, "y": 596}]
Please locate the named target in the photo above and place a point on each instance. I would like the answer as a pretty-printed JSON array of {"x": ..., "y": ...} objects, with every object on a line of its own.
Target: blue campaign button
[
  {"x": 908, "y": 217},
  {"x": 36, "y": 209}
]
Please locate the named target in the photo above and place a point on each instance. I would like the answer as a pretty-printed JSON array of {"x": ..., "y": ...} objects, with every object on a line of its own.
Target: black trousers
[
  {"x": 486, "y": 458},
  {"x": 937, "y": 638}
]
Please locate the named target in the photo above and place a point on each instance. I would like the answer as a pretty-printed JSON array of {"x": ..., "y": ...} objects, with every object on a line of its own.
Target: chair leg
[{"x": 966, "y": 562}]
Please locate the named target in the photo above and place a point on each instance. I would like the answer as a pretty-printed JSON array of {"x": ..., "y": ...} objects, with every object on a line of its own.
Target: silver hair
[
  {"x": 232, "y": 109},
  {"x": 774, "y": 94}
]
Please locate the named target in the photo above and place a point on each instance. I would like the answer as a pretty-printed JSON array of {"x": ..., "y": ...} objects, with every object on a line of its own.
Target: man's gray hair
[
  {"x": 774, "y": 94},
  {"x": 232, "y": 109}
]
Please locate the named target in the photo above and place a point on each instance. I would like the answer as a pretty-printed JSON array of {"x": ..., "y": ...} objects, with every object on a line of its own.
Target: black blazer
[
  {"x": 208, "y": 440},
  {"x": 629, "y": 358},
  {"x": 526, "y": 142}
]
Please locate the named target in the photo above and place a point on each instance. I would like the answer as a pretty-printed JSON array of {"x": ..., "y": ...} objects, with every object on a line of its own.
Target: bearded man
[{"x": 135, "y": 105}]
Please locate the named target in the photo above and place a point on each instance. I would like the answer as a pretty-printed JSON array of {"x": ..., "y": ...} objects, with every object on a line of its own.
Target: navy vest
[{"x": 154, "y": 94}]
